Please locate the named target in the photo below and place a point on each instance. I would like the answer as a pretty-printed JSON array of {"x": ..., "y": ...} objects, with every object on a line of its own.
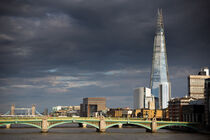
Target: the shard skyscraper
[{"x": 159, "y": 82}]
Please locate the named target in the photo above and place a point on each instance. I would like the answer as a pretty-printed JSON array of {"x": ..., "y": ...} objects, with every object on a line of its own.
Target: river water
[{"x": 76, "y": 133}]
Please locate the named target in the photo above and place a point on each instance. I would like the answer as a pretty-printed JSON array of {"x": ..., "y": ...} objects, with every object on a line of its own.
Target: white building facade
[
  {"x": 142, "y": 98},
  {"x": 164, "y": 94}
]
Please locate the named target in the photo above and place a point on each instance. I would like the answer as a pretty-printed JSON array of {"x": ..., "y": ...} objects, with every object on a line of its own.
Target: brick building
[
  {"x": 92, "y": 105},
  {"x": 193, "y": 113},
  {"x": 175, "y": 107}
]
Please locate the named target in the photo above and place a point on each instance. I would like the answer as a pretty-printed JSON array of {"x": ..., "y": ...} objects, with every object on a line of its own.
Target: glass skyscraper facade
[{"x": 159, "y": 82}]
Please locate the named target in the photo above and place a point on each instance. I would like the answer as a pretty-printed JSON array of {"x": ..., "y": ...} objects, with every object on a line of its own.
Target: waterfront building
[
  {"x": 127, "y": 113},
  {"x": 193, "y": 113},
  {"x": 142, "y": 98},
  {"x": 91, "y": 105},
  {"x": 165, "y": 114},
  {"x": 159, "y": 81},
  {"x": 207, "y": 103},
  {"x": 114, "y": 112},
  {"x": 65, "y": 111},
  {"x": 136, "y": 113},
  {"x": 196, "y": 83},
  {"x": 175, "y": 107},
  {"x": 120, "y": 112},
  {"x": 45, "y": 112},
  {"x": 148, "y": 113}
]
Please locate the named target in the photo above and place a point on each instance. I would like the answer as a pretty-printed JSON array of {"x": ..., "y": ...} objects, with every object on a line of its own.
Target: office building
[
  {"x": 159, "y": 81},
  {"x": 196, "y": 83},
  {"x": 207, "y": 103},
  {"x": 119, "y": 112},
  {"x": 65, "y": 111},
  {"x": 115, "y": 112},
  {"x": 148, "y": 113},
  {"x": 92, "y": 105},
  {"x": 175, "y": 107},
  {"x": 165, "y": 114},
  {"x": 143, "y": 98},
  {"x": 193, "y": 113}
]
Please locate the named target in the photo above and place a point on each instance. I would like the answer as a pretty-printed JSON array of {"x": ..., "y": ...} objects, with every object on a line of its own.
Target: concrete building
[
  {"x": 66, "y": 111},
  {"x": 165, "y": 114},
  {"x": 92, "y": 105},
  {"x": 119, "y": 112},
  {"x": 193, "y": 113},
  {"x": 12, "y": 111},
  {"x": 207, "y": 103},
  {"x": 196, "y": 83},
  {"x": 148, "y": 113},
  {"x": 164, "y": 94},
  {"x": 175, "y": 107},
  {"x": 115, "y": 112},
  {"x": 159, "y": 81},
  {"x": 142, "y": 98},
  {"x": 57, "y": 108},
  {"x": 127, "y": 113}
]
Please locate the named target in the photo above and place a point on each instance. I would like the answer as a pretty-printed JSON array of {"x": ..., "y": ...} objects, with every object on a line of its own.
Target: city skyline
[{"x": 58, "y": 52}]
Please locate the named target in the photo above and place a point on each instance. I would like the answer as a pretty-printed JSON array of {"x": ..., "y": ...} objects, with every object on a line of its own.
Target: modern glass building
[{"x": 159, "y": 82}]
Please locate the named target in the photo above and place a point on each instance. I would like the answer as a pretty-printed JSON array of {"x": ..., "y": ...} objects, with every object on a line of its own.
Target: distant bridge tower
[
  {"x": 12, "y": 112},
  {"x": 33, "y": 110},
  {"x": 23, "y": 111}
]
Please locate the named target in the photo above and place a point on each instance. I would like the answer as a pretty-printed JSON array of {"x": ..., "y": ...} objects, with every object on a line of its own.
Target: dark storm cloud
[{"x": 58, "y": 49}]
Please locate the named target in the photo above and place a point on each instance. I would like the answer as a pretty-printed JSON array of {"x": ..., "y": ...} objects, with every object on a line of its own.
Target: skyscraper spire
[
  {"x": 160, "y": 26},
  {"x": 159, "y": 82}
]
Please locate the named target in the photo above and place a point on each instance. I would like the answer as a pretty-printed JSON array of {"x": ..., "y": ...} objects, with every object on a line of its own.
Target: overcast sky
[{"x": 56, "y": 52}]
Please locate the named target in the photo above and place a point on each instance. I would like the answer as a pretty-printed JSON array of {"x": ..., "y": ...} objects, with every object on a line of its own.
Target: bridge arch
[
  {"x": 34, "y": 125},
  {"x": 142, "y": 125},
  {"x": 187, "y": 126},
  {"x": 137, "y": 124},
  {"x": 3, "y": 124},
  {"x": 114, "y": 124},
  {"x": 56, "y": 124}
]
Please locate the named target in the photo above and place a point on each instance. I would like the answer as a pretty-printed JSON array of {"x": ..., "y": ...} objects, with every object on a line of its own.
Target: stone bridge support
[
  {"x": 102, "y": 125},
  {"x": 33, "y": 110},
  {"x": 12, "y": 110},
  {"x": 44, "y": 125},
  {"x": 154, "y": 125},
  {"x": 8, "y": 126},
  {"x": 84, "y": 125},
  {"x": 120, "y": 125}
]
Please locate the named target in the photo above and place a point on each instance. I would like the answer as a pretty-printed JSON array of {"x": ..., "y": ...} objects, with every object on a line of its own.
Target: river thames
[{"x": 75, "y": 133}]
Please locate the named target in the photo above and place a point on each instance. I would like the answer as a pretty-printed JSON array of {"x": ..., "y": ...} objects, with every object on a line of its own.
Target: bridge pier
[
  {"x": 12, "y": 110},
  {"x": 154, "y": 126},
  {"x": 84, "y": 125},
  {"x": 8, "y": 126},
  {"x": 120, "y": 125},
  {"x": 44, "y": 125},
  {"x": 33, "y": 110},
  {"x": 102, "y": 125}
]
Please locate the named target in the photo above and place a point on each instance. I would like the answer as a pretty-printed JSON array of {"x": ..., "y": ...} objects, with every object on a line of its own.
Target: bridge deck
[{"x": 28, "y": 119}]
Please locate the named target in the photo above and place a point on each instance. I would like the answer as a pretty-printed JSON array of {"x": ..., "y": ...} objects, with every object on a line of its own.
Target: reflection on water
[{"x": 75, "y": 133}]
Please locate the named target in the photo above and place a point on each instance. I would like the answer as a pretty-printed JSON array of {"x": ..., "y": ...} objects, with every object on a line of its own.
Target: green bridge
[{"x": 101, "y": 123}]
